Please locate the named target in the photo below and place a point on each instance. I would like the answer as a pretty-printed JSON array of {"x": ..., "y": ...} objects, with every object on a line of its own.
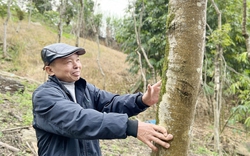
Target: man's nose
[{"x": 76, "y": 64}]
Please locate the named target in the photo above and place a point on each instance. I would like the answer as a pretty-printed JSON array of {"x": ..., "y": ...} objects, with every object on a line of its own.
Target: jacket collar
[{"x": 80, "y": 82}]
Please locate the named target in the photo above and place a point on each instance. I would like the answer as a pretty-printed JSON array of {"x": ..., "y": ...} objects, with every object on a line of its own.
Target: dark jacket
[{"x": 66, "y": 128}]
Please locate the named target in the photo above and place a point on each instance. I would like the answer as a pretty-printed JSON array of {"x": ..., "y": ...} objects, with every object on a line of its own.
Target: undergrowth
[{"x": 22, "y": 100}]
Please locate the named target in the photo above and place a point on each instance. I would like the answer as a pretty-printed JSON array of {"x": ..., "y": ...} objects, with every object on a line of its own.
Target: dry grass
[{"x": 31, "y": 38}]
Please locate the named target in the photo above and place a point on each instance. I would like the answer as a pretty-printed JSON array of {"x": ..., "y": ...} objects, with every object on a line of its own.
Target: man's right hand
[{"x": 150, "y": 134}]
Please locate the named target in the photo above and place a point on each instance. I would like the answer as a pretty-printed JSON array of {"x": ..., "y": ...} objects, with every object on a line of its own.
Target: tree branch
[
  {"x": 138, "y": 39},
  {"x": 14, "y": 149}
]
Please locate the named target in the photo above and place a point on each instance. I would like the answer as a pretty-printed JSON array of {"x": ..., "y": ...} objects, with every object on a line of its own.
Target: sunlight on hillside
[{"x": 28, "y": 40}]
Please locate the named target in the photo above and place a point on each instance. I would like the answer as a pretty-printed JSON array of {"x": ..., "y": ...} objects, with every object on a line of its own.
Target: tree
[
  {"x": 182, "y": 79},
  {"x": 227, "y": 47},
  {"x": 108, "y": 31},
  {"x": 137, "y": 26},
  {"x": 60, "y": 24},
  {"x": 79, "y": 21},
  {"x": 217, "y": 100},
  {"x": 43, "y": 5},
  {"x": 30, "y": 8},
  {"x": 96, "y": 22},
  {"x": 5, "y": 29},
  {"x": 244, "y": 28},
  {"x": 152, "y": 27},
  {"x": 20, "y": 15}
]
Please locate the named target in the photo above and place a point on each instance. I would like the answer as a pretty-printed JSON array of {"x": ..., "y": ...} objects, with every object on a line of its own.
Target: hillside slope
[
  {"x": 28, "y": 41},
  {"x": 24, "y": 64}
]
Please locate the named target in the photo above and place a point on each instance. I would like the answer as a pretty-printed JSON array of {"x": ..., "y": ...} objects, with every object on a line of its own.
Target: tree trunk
[
  {"x": 184, "y": 58},
  {"x": 30, "y": 10},
  {"x": 94, "y": 28},
  {"x": 244, "y": 28},
  {"x": 79, "y": 21},
  {"x": 139, "y": 43},
  {"x": 98, "y": 61},
  {"x": 217, "y": 99},
  {"x": 5, "y": 30},
  {"x": 60, "y": 24}
]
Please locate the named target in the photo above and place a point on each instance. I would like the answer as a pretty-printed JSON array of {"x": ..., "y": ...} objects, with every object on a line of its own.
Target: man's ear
[{"x": 49, "y": 70}]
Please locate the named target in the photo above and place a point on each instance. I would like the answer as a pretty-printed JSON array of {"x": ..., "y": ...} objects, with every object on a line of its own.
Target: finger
[
  {"x": 170, "y": 137},
  {"x": 157, "y": 86},
  {"x": 160, "y": 142},
  {"x": 160, "y": 129},
  {"x": 167, "y": 137},
  {"x": 152, "y": 146},
  {"x": 158, "y": 83},
  {"x": 149, "y": 89},
  {"x": 163, "y": 135}
]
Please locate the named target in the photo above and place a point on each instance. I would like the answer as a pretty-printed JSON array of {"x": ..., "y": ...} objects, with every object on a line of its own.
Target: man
[{"x": 70, "y": 114}]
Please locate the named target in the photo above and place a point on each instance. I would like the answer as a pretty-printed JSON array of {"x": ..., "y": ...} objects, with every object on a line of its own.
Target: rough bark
[{"x": 185, "y": 49}]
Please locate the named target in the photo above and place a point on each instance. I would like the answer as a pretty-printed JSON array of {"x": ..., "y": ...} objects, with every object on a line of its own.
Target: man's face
[{"x": 66, "y": 69}]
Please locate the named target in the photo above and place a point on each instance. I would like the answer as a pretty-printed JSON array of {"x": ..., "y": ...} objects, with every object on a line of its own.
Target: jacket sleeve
[
  {"x": 56, "y": 114},
  {"x": 130, "y": 104}
]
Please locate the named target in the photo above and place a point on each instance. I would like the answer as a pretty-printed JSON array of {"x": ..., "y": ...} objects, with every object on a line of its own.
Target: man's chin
[{"x": 76, "y": 78}]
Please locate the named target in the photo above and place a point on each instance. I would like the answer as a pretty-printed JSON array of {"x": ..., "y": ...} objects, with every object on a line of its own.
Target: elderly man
[{"x": 70, "y": 114}]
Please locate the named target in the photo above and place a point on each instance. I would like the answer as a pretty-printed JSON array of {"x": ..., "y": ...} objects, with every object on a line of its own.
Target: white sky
[{"x": 112, "y": 7}]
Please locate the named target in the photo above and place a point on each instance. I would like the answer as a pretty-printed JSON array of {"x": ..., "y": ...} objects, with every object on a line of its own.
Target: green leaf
[{"x": 247, "y": 122}]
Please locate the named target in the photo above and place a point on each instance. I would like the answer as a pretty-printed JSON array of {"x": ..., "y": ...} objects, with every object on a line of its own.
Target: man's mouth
[{"x": 77, "y": 73}]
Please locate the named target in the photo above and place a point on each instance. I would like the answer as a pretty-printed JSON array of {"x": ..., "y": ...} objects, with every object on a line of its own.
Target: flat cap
[{"x": 58, "y": 50}]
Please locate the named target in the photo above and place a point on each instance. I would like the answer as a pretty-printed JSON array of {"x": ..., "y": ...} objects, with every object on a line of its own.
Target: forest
[{"x": 199, "y": 49}]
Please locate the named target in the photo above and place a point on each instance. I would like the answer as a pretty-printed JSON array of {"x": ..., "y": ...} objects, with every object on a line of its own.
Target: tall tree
[
  {"x": 43, "y": 5},
  {"x": 217, "y": 100},
  {"x": 60, "y": 24},
  {"x": 30, "y": 8},
  {"x": 79, "y": 21},
  {"x": 230, "y": 37},
  {"x": 95, "y": 21},
  {"x": 244, "y": 27},
  {"x": 139, "y": 42},
  {"x": 152, "y": 27},
  {"x": 181, "y": 81},
  {"x": 20, "y": 15},
  {"x": 108, "y": 31},
  {"x": 5, "y": 29}
]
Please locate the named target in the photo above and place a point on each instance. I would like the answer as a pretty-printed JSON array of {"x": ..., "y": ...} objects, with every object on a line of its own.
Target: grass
[
  {"x": 21, "y": 100},
  {"x": 205, "y": 151},
  {"x": 25, "y": 45}
]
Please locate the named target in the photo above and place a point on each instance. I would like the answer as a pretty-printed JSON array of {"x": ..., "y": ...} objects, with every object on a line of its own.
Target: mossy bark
[{"x": 182, "y": 72}]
